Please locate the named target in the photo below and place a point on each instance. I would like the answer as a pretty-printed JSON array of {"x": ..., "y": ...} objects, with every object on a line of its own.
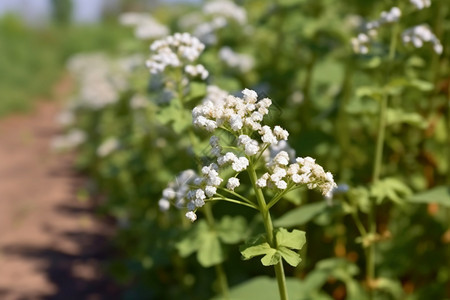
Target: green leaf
[
  {"x": 397, "y": 116},
  {"x": 210, "y": 251},
  {"x": 390, "y": 188},
  {"x": 291, "y": 257},
  {"x": 259, "y": 246},
  {"x": 254, "y": 247},
  {"x": 271, "y": 258},
  {"x": 197, "y": 91},
  {"x": 391, "y": 286},
  {"x": 175, "y": 115},
  {"x": 191, "y": 241},
  {"x": 294, "y": 240},
  {"x": 360, "y": 196},
  {"x": 422, "y": 85},
  {"x": 439, "y": 194},
  {"x": 232, "y": 229},
  {"x": 264, "y": 288},
  {"x": 370, "y": 91},
  {"x": 300, "y": 215}
]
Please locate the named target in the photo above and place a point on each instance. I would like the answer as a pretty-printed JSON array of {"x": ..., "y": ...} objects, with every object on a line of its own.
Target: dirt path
[{"x": 51, "y": 243}]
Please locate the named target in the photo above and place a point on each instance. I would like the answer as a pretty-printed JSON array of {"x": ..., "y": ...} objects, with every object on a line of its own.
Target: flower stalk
[{"x": 279, "y": 270}]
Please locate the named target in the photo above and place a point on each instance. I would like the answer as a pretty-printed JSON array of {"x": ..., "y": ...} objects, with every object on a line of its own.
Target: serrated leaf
[
  {"x": 291, "y": 257},
  {"x": 210, "y": 251},
  {"x": 300, "y": 215},
  {"x": 232, "y": 229},
  {"x": 439, "y": 194},
  {"x": 294, "y": 240}
]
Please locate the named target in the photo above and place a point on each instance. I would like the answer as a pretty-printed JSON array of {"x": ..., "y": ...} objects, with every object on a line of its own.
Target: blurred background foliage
[{"x": 324, "y": 94}]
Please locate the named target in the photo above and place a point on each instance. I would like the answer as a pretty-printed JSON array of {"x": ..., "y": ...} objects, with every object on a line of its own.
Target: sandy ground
[{"x": 52, "y": 245}]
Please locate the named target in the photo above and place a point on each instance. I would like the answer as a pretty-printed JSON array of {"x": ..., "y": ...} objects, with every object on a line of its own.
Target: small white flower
[
  {"x": 191, "y": 216},
  {"x": 210, "y": 190},
  {"x": 164, "y": 204},
  {"x": 240, "y": 164},
  {"x": 233, "y": 183}
]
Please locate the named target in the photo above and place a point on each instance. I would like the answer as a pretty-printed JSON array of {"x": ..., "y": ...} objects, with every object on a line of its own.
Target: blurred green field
[{"x": 32, "y": 59}]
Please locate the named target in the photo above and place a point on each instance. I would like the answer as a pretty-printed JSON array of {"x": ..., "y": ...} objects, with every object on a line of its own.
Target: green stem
[
  {"x": 370, "y": 250},
  {"x": 237, "y": 195},
  {"x": 232, "y": 201},
  {"x": 279, "y": 270},
  {"x": 220, "y": 273}
]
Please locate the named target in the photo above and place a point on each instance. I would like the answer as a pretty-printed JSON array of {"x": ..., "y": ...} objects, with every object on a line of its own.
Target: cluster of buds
[
  {"x": 420, "y": 34},
  {"x": 145, "y": 26},
  {"x": 175, "y": 51},
  {"x": 420, "y": 4},
  {"x": 242, "y": 117},
  {"x": 227, "y": 9},
  {"x": 242, "y": 62},
  {"x": 305, "y": 171},
  {"x": 361, "y": 42}
]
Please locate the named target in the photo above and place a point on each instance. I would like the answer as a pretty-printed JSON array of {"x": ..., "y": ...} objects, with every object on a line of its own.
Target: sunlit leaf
[{"x": 294, "y": 239}]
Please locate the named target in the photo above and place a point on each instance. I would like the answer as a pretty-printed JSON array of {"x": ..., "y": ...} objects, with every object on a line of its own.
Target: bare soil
[{"x": 52, "y": 244}]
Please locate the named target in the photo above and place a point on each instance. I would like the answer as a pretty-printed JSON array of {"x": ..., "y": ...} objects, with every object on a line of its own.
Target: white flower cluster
[
  {"x": 108, "y": 146},
  {"x": 205, "y": 187},
  {"x": 72, "y": 139},
  {"x": 146, "y": 27},
  {"x": 420, "y": 34},
  {"x": 206, "y": 31},
  {"x": 101, "y": 78},
  {"x": 236, "y": 114},
  {"x": 176, "y": 191},
  {"x": 386, "y": 17},
  {"x": 215, "y": 95},
  {"x": 218, "y": 14},
  {"x": 361, "y": 42},
  {"x": 174, "y": 51},
  {"x": 196, "y": 71},
  {"x": 242, "y": 117},
  {"x": 243, "y": 62},
  {"x": 273, "y": 150},
  {"x": 303, "y": 171},
  {"x": 420, "y": 4},
  {"x": 226, "y": 9}
]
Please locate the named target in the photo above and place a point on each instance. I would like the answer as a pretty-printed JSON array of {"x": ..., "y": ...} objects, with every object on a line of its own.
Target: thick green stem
[
  {"x": 220, "y": 273},
  {"x": 279, "y": 270}
]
